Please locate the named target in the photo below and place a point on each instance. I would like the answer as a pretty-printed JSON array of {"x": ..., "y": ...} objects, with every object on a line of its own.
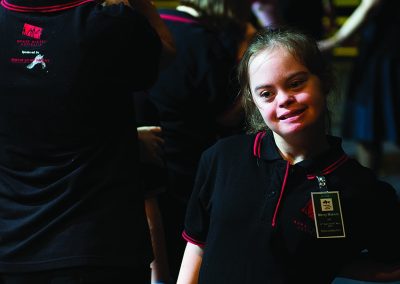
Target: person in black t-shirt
[
  {"x": 71, "y": 202},
  {"x": 284, "y": 203}
]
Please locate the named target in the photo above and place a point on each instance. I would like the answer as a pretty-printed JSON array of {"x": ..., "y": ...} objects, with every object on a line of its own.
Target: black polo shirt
[
  {"x": 251, "y": 211},
  {"x": 69, "y": 179},
  {"x": 192, "y": 92}
]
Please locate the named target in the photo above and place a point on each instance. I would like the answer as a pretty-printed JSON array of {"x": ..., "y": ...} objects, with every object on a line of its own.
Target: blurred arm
[
  {"x": 151, "y": 145},
  {"x": 356, "y": 20},
  {"x": 159, "y": 267}
]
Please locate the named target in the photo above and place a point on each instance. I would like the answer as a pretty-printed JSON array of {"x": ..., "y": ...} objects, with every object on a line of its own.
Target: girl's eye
[
  {"x": 296, "y": 83},
  {"x": 265, "y": 94}
]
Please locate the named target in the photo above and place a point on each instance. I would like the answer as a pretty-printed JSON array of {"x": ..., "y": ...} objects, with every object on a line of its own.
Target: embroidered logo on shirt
[
  {"x": 304, "y": 225},
  {"x": 32, "y": 31},
  {"x": 308, "y": 210}
]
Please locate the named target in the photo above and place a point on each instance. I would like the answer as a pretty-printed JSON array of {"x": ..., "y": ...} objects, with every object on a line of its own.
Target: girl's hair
[{"x": 302, "y": 47}]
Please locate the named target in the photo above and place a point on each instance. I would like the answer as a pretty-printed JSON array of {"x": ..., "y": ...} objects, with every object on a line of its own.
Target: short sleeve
[{"x": 198, "y": 211}]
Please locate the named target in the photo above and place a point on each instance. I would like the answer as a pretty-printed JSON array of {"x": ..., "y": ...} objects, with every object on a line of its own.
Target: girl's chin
[{"x": 292, "y": 129}]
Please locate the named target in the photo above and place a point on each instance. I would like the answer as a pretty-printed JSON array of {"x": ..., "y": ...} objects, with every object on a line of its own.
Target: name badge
[{"x": 328, "y": 214}]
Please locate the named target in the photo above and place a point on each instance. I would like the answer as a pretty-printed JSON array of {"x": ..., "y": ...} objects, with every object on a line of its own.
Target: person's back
[
  {"x": 191, "y": 92},
  {"x": 69, "y": 189}
]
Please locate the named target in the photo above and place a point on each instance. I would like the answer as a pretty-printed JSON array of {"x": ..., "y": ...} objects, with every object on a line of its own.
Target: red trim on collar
[
  {"x": 330, "y": 168},
  {"x": 177, "y": 19},
  {"x": 43, "y": 9},
  {"x": 257, "y": 153},
  {"x": 257, "y": 144}
]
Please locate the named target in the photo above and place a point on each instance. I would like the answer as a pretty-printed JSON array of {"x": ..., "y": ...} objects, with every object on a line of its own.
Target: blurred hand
[{"x": 151, "y": 145}]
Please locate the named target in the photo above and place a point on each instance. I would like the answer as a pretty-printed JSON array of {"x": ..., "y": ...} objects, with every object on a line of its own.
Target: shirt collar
[
  {"x": 41, "y": 6},
  {"x": 330, "y": 159}
]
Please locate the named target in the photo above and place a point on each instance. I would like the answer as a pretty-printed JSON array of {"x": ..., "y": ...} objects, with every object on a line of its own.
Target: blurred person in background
[
  {"x": 71, "y": 199},
  {"x": 371, "y": 113},
  {"x": 278, "y": 13}
]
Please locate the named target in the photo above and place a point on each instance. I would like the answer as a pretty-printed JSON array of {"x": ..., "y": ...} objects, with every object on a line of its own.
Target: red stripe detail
[
  {"x": 257, "y": 144},
  {"x": 331, "y": 168},
  {"x": 178, "y": 19},
  {"x": 334, "y": 166},
  {"x": 43, "y": 9},
  {"x": 192, "y": 241},
  {"x": 280, "y": 196}
]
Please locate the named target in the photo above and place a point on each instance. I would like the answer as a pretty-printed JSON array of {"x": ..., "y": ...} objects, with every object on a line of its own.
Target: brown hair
[{"x": 302, "y": 47}]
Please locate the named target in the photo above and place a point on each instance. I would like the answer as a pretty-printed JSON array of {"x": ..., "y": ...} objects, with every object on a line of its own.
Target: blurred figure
[
  {"x": 71, "y": 201},
  {"x": 195, "y": 97},
  {"x": 266, "y": 12},
  {"x": 372, "y": 107},
  {"x": 154, "y": 181},
  {"x": 274, "y": 13}
]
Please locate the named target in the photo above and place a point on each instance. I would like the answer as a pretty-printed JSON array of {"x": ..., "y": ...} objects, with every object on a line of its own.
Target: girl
[{"x": 285, "y": 204}]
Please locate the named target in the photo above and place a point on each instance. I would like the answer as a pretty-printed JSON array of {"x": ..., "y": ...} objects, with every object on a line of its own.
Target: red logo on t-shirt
[{"x": 32, "y": 31}]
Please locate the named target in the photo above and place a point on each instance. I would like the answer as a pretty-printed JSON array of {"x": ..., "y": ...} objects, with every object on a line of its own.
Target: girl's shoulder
[{"x": 238, "y": 146}]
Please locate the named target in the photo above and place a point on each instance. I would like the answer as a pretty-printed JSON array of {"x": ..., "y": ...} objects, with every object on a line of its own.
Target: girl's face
[{"x": 287, "y": 95}]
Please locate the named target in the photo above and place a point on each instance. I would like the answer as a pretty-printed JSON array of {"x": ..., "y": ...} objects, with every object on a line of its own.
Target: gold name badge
[{"x": 328, "y": 214}]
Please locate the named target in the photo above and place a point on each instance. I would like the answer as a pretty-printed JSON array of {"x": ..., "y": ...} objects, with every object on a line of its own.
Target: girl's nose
[{"x": 285, "y": 98}]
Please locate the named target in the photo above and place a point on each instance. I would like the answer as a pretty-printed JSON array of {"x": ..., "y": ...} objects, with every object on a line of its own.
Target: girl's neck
[
  {"x": 297, "y": 150},
  {"x": 186, "y": 9}
]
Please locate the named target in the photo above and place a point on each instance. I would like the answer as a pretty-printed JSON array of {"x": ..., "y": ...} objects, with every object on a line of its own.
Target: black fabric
[
  {"x": 192, "y": 91},
  {"x": 235, "y": 198},
  {"x": 69, "y": 179}
]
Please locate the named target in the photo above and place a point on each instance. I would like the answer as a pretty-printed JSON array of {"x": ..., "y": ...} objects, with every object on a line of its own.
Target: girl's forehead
[
  {"x": 276, "y": 51},
  {"x": 276, "y": 57}
]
